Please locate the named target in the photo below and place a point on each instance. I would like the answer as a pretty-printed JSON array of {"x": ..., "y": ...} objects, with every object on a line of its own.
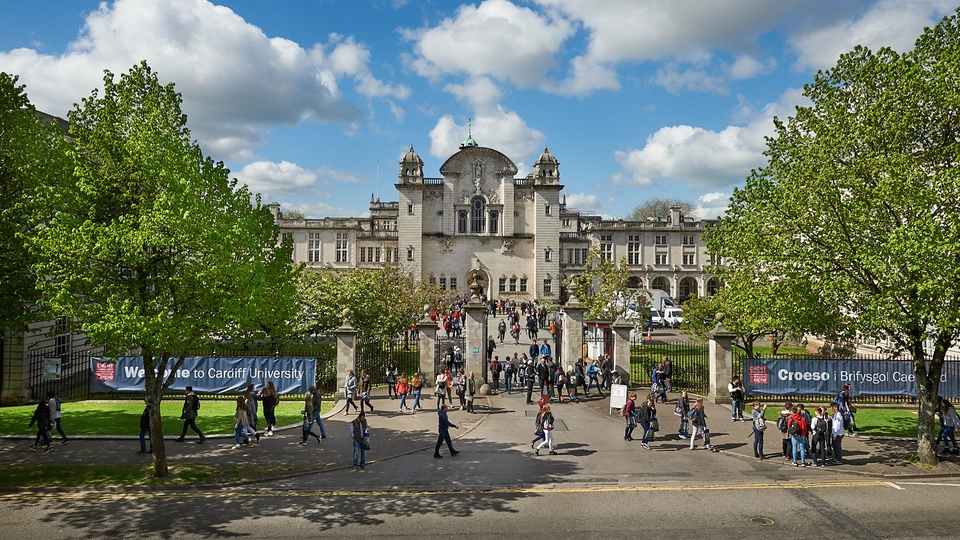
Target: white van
[
  {"x": 656, "y": 320},
  {"x": 672, "y": 317}
]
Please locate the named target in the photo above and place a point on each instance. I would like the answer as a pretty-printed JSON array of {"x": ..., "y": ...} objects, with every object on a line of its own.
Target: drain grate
[{"x": 760, "y": 520}]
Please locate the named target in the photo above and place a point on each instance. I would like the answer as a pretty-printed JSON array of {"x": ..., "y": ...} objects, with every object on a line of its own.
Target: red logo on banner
[
  {"x": 758, "y": 375},
  {"x": 105, "y": 371}
]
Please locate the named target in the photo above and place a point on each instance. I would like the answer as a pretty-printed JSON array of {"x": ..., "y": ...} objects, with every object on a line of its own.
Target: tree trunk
[
  {"x": 928, "y": 386},
  {"x": 156, "y": 440}
]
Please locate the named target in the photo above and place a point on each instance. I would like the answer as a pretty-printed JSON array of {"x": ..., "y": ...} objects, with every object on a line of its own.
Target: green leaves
[{"x": 602, "y": 287}]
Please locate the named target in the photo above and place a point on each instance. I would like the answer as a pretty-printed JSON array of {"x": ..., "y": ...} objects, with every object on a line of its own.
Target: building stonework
[{"x": 515, "y": 234}]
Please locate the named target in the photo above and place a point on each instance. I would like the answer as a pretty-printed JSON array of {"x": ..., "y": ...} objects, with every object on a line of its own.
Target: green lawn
[
  {"x": 123, "y": 417},
  {"x": 870, "y": 421},
  {"x": 16, "y": 476}
]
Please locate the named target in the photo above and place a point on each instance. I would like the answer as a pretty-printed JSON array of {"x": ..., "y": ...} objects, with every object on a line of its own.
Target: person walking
[
  {"x": 759, "y": 426},
  {"x": 444, "y": 432},
  {"x": 682, "y": 409},
  {"x": 460, "y": 381},
  {"x": 502, "y": 330},
  {"x": 668, "y": 373},
  {"x": 847, "y": 409},
  {"x": 307, "y": 426},
  {"x": 529, "y": 377},
  {"x": 349, "y": 391},
  {"x": 392, "y": 381},
  {"x": 360, "y": 435},
  {"x": 948, "y": 427},
  {"x": 41, "y": 417},
  {"x": 241, "y": 422},
  {"x": 416, "y": 386},
  {"x": 56, "y": 414},
  {"x": 698, "y": 418},
  {"x": 494, "y": 371},
  {"x": 189, "y": 413},
  {"x": 546, "y": 420},
  {"x": 403, "y": 388},
  {"x": 647, "y": 418},
  {"x": 593, "y": 372},
  {"x": 145, "y": 429},
  {"x": 250, "y": 404},
  {"x": 315, "y": 401},
  {"x": 270, "y": 399},
  {"x": 440, "y": 388},
  {"x": 365, "y": 388},
  {"x": 629, "y": 412},
  {"x": 508, "y": 373}
]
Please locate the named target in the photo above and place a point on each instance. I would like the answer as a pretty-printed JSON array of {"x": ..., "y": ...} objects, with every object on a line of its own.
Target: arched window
[
  {"x": 713, "y": 286},
  {"x": 661, "y": 283},
  {"x": 462, "y": 222},
  {"x": 494, "y": 222},
  {"x": 478, "y": 215}
]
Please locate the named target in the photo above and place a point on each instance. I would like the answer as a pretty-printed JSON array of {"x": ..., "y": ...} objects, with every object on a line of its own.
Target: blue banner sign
[
  {"x": 790, "y": 376},
  {"x": 208, "y": 374}
]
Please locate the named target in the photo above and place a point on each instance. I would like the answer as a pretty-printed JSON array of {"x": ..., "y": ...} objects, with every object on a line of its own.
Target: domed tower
[
  {"x": 411, "y": 168},
  {"x": 546, "y": 170}
]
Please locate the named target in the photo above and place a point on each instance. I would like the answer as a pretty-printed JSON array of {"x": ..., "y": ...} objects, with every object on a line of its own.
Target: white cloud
[
  {"x": 888, "y": 23},
  {"x": 712, "y": 205},
  {"x": 652, "y": 30},
  {"x": 673, "y": 80},
  {"x": 341, "y": 176},
  {"x": 493, "y": 126},
  {"x": 496, "y": 38},
  {"x": 748, "y": 67},
  {"x": 582, "y": 201},
  {"x": 272, "y": 178},
  {"x": 704, "y": 158},
  {"x": 236, "y": 82}
]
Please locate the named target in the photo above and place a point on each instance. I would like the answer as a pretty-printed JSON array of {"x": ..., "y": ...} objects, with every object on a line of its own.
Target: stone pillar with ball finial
[
  {"x": 427, "y": 329},
  {"x": 721, "y": 362},
  {"x": 475, "y": 355},
  {"x": 346, "y": 336}
]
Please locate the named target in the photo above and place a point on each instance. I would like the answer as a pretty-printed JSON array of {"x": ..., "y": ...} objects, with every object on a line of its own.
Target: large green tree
[
  {"x": 382, "y": 302},
  {"x": 33, "y": 158},
  {"x": 603, "y": 287},
  {"x": 860, "y": 202},
  {"x": 153, "y": 248}
]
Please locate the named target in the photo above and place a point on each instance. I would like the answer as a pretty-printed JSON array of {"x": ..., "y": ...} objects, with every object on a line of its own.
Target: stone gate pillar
[
  {"x": 475, "y": 355},
  {"x": 427, "y": 330},
  {"x": 621, "y": 344},
  {"x": 346, "y": 336},
  {"x": 721, "y": 362},
  {"x": 572, "y": 339}
]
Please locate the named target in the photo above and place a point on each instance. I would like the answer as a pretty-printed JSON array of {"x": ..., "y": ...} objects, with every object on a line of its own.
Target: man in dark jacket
[
  {"x": 529, "y": 373},
  {"x": 145, "y": 430},
  {"x": 445, "y": 426},
  {"x": 191, "y": 403},
  {"x": 41, "y": 417}
]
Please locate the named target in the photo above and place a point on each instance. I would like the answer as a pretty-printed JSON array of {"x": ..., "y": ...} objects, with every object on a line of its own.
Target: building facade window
[
  {"x": 523, "y": 284},
  {"x": 341, "y": 247},
  {"x": 513, "y": 284},
  {"x": 584, "y": 253},
  {"x": 633, "y": 249},
  {"x": 494, "y": 222},
  {"x": 606, "y": 246},
  {"x": 410, "y": 208},
  {"x": 660, "y": 239},
  {"x": 716, "y": 260},
  {"x": 462, "y": 222},
  {"x": 433, "y": 280},
  {"x": 313, "y": 247},
  {"x": 565, "y": 222},
  {"x": 62, "y": 337},
  {"x": 503, "y": 285},
  {"x": 548, "y": 286},
  {"x": 661, "y": 258},
  {"x": 548, "y": 255},
  {"x": 453, "y": 284},
  {"x": 689, "y": 258},
  {"x": 363, "y": 255},
  {"x": 546, "y": 210},
  {"x": 376, "y": 255},
  {"x": 478, "y": 215},
  {"x": 443, "y": 283},
  {"x": 688, "y": 240},
  {"x": 409, "y": 253}
]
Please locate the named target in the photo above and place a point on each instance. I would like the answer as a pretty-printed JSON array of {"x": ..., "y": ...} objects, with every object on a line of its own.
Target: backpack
[
  {"x": 678, "y": 410},
  {"x": 795, "y": 429},
  {"x": 782, "y": 423},
  {"x": 58, "y": 404},
  {"x": 820, "y": 427},
  {"x": 759, "y": 423},
  {"x": 692, "y": 414},
  {"x": 196, "y": 403}
]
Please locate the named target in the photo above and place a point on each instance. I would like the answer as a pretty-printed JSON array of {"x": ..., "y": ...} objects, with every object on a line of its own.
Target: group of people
[
  {"x": 48, "y": 416},
  {"x": 691, "y": 417}
]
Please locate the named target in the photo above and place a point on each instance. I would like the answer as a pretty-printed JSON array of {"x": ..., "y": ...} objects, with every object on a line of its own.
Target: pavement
[{"x": 495, "y": 449}]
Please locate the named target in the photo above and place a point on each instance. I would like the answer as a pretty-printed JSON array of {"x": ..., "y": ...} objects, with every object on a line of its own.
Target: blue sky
[{"x": 306, "y": 100}]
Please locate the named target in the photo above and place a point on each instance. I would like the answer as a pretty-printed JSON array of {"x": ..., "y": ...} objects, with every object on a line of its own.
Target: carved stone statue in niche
[{"x": 478, "y": 176}]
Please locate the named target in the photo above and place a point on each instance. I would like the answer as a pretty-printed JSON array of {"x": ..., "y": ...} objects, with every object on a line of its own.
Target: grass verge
[
  {"x": 36, "y": 476},
  {"x": 123, "y": 417}
]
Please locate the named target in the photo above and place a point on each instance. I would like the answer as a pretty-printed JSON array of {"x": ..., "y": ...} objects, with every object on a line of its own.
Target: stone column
[
  {"x": 427, "y": 329},
  {"x": 346, "y": 336},
  {"x": 572, "y": 339},
  {"x": 721, "y": 362},
  {"x": 621, "y": 345}
]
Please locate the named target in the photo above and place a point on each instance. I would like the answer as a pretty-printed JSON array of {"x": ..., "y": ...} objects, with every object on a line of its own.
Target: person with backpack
[
  {"x": 349, "y": 391},
  {"x": 797, "y": 429},
  {"x": 735, "y": 388},
  {"x": 56, "y": 415},
  {"x": 847, "y": 409},
  {"x": 391, "y": 374},
  {"x": 508, "y": 370},
  {"x": 820, "y": 428},
  {"x": 782, "y": 420},
  {"x": 658, "y": 387},
  {"x": 759, "y": 426},
  {"x": 647, "y": 418},
  {"x": 698, "y": 419},
  {"x": 471, "y": 392},
  {"x": 546, "y": 422},
  {"x": 682, "y": 409},
  {"x": 365, "y": 388},
  {"x": 460, "y": 382},
  {"x": 809, "y": 423},
  {"x": 593, "y": 373},
  {"x": 189, "y": 413}
]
